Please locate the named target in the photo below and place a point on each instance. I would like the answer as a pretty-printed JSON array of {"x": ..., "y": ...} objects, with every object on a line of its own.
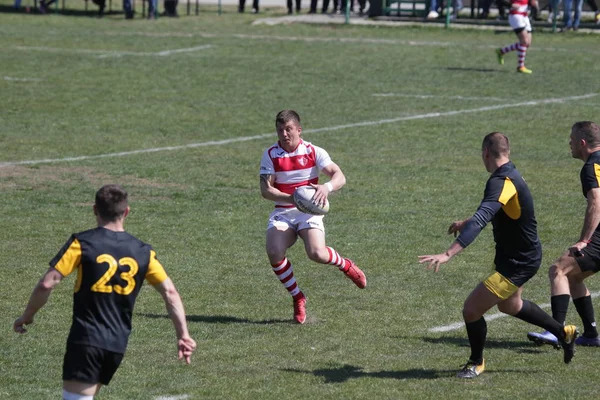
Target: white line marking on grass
[
  {"x": 109, "y": 53},
  {"x": 186, "y": 50},
  {"x": 10, "y": 78},
  {"x": 179, "y": 397},
  {"x": 317, "y": 130},
  {"x": 316, "y": 39},
  {"x": 458, "y": 325},
  {"x": 159, "y": 54},
  {"x": 433, "y": 96}
]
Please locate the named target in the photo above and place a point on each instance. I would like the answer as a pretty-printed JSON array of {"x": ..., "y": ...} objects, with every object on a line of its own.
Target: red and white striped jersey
[
  {"x": 297, "y": 168},
  {"x": 519, "y": 7}
]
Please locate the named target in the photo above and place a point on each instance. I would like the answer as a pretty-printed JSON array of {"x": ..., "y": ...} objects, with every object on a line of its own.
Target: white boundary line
[
  {"x": 325, "y": 129},
  {"x": 316, "y": 39},
  {"x": 306, "y": 39},
  {"x": 109, "y": 53},
  {"x": 13, "y": 79},
  {"x": 488, "y": 318},
  {"x": 432, "y": 96}
]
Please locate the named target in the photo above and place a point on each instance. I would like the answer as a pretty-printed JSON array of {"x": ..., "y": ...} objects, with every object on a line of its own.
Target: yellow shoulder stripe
[
  {"x": 508, "y": 191},
  {"x": 597, "y": 173},
  {"x": 70, "y": 261},
  {"x": 156, "y": 273}
]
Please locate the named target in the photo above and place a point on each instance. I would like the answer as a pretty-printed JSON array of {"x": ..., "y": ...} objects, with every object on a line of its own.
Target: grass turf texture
[{"x": 201, "y": 208}]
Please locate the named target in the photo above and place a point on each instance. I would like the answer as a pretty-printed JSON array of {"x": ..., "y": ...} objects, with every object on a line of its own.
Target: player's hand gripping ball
[{"x": 303, "y": 200}]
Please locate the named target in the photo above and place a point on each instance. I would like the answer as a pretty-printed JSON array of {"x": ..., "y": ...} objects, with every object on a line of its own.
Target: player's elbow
[
  {"x": 170, "y": 294},
  {"x": 264, "y": 194}
]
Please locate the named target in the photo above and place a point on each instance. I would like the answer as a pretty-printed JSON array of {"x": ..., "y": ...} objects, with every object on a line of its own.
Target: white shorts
[
  {"x": 518, "y": 21},
  {"x": 297, "y": 220}
]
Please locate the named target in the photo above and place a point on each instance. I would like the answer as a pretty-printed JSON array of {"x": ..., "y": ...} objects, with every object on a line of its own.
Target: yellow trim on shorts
[{"x": 500, "y": 286}]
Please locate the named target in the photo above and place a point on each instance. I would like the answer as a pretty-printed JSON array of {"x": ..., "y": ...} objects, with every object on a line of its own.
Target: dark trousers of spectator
[
  {"x": 152, "y": 8},
  {"x": 336, "y": 5},
  {"x": 593, "y": 5},
  {"x": 243, "y": 4},
  {"x": 171, "y": 8},
  {"x": 485, "y": 8},
  {"x": 127, "y": 9},
  {"x": 290, "y": 6},
  {"x": 344, "y": 2}
]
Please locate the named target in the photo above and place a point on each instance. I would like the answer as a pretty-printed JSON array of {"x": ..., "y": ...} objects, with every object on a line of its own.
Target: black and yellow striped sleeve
[
  {"x": 156, "y": 273},
  {"x": 68, "y": 258},
  {"x": 590, "y": 177}
]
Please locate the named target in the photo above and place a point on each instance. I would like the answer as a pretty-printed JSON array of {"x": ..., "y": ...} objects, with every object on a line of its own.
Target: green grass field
[{"x": 179, "y": 112}]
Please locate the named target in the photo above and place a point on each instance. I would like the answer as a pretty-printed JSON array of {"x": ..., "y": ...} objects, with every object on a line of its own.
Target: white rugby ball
[{"x": 303, "y": 201}]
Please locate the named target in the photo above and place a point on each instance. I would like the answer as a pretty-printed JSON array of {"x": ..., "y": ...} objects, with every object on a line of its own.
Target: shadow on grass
[
  {"x": 486, "y": 70},
  {"x": 221, "y": 319},
  {"x": 346, "y": 372},
  {"x": 519, "y": 346}
]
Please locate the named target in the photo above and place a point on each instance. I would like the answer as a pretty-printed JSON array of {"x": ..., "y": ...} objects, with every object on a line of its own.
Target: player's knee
[
  {"x": 470, "y": 312},
  {"x": 508, "y": 308},
  {"x": 275, "y": 254},
  {"x": 556, "y": 271},
  {"x": 317, "y": 255}
]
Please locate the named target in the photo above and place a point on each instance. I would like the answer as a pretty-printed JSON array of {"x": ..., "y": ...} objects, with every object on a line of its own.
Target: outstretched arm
[
  {"x": 435, "y": 260},
  {"x": 468, "y": 229},
  {"x": 185, "y": 344},
  {"x": 39, "y": 297}
]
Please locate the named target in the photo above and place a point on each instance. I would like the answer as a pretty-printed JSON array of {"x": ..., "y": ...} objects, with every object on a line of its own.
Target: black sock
[
  {"x": 560, "y": 306},
  {"x": 532, "y": 313},
  {"x": 477, "y": 332},
  {"x": 585, "y": 309}
]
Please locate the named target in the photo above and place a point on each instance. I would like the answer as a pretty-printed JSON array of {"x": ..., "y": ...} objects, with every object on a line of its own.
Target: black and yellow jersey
[
  {"x": 111, "y": 267},
  {"x": 590, "y": 173},
  {"x": 508, "y": 204}
]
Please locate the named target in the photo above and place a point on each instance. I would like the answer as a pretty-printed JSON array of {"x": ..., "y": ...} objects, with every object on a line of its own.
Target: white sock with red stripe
[
  {"x": 337, "y": 260},
  {"x": 285, "y": 272},
  {"x": 521, "y": 52},
  {"x": 510, "y": 48}
]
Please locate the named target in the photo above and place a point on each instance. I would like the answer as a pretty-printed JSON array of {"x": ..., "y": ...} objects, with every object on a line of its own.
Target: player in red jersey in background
[
  {"x": 519, "y": 22},
  {"x": 288, "y": 164}
]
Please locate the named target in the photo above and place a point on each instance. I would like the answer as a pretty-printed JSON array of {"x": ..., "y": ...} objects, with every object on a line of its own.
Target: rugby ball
[{"x": 302, "y": 198}]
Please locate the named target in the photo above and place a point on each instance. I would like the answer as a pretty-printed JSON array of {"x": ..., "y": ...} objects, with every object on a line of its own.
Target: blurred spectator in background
[
  {"x": 242, "y": 4},
  {"x": 457, "y": 5},
  {"x": 594, "y": 7},
  {"x": 128, "y": 10},
  {"x": 552, "y": 5},
  {"x": 336, "y": 6},
  {"x": 362, "y": 4},
  {"x": 44, "y": 5},
  {"x": 101, "y": 6},
  {"x": 344, "y": 4},
  {"x": 485, "y": 8},
  {"x": 171, "y": 8},
  {"x": 152, "y": 9},
  {"x": 433, "y": 10},
  {"x": 290, "y": 6},
  {"x": 572, "y": 23}
]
